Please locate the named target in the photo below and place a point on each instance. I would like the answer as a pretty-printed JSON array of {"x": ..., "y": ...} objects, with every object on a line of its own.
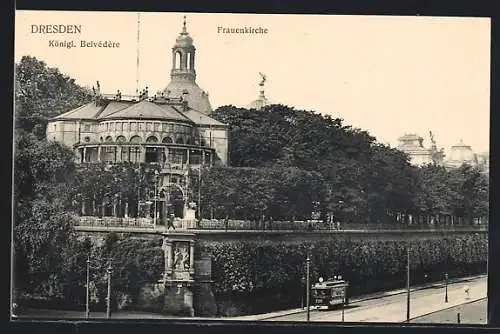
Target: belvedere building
[{"x": 171, "y": 128}]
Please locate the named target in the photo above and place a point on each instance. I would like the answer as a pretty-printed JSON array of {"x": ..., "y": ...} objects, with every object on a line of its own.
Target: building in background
[
  {"x": 412, "y": 145},
  {"x": 461, "y": 154}
]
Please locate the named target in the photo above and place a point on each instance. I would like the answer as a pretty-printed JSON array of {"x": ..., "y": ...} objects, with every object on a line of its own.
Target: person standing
[{"x": 171, "y": 221}]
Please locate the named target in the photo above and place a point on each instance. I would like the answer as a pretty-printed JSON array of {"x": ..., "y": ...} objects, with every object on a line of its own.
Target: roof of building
[
  {"x": 200, "y": 118},
  {"x": 409, "y": 137},
  {"x": 184, "y": 40},
  {"x": 196, "y": 97},
  {"x": 461, "y": 152},
  {"x": 125, "y": 109},
  {"x": 149, "y": 110},
  {"x": 87, "y": 111}
]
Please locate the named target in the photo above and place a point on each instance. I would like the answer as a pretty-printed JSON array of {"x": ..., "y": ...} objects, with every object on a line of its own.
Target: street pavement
[
  {"x": 469, "y": 313},
  {"x": 390, "y": 307}
]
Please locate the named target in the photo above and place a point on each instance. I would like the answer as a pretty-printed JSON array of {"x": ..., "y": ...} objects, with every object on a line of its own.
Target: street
[
  {"x": 427, "y": 305},
  {"x": 470, "y": 313},
  {"x": 393, "y": 308}
]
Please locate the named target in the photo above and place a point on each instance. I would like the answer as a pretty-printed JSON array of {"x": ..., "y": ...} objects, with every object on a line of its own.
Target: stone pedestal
[
  {"x": 189, "y": 214},
  {"x": 188, "y": 290}
]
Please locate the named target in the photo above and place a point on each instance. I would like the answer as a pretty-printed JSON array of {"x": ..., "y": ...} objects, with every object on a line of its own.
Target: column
[
  {"x": 167, "y": 251},
  {"x": 103, "y": 208},
  {"x": 115, "y": 207},
  {"x": 84, "y": 154},
  {"x": 119, "y": 206},
  {"x": 126, "y": 210},
  {"x": 119, "y": 153},
  {"x": 202, "y": 152},
  {"x": 191, "y": 256},
  {"x": 166, "y": 154},
  {"x": 187, "y": 159},
  {"x": 99, "y": 153},
  {"x": 83, "y": 208},
  {"x": 149, "y": 211},
  {"x": 211, "y": 158},
  {"x": 143, "y": 153}
]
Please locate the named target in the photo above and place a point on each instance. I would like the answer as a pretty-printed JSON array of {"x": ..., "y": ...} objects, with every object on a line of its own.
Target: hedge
[{"x": 251, "y": 277}]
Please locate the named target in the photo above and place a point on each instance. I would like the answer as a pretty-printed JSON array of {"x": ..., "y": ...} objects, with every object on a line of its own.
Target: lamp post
[
  {"x": 343, "y": 298},
  {"x": 308, "y": 263},
  {"x": 408, "y": 285},
  {"x": 155, "y": 209},
  {"x": 199, "y": 193},
  {"x": 446, "y": 288},
  {"x": 302, "y": 285},
  {"x": 108, "y": 300},
  {"x": 87, "y": 308}
]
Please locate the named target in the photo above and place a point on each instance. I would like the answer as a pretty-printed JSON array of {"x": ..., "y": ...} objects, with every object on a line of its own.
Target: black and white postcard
[{"x": 251, "y": 167}]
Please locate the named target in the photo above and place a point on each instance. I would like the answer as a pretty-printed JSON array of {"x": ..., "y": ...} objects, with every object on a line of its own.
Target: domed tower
[
  {"x": 460, "y": 154},
  {"x": 183, "y": 74}
]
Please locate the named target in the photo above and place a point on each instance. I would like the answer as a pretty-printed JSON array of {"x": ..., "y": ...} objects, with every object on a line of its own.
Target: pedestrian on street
[{"x": 467, "y": 291}]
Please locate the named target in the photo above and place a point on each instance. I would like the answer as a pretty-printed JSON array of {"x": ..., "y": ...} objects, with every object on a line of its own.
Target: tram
[{"x": 326, "y": 294}]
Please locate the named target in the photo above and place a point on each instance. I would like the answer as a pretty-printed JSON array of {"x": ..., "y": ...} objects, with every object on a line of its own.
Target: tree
[
  {"x": 472, "y": 185},
  {"x": 42, "y": 92}
]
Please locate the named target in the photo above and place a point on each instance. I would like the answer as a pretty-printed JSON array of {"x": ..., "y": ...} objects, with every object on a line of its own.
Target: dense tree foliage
[
  {"x": 359, "y": 180},
  {"x": 43, "y": 178},
  {"x": 252, "y": 193},
  {"x": 42, "y": 92}
]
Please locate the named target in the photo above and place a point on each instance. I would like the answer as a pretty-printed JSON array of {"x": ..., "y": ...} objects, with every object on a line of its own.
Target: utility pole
[
  {"x": 343, "y": 302},
  {"x": 308, "y": 262},
  {"x": 108, "y": 301},
  {"x": 87, "y": 308},
  {"x": 408, "y": 284},
  {"x": 446, "y": 288}
]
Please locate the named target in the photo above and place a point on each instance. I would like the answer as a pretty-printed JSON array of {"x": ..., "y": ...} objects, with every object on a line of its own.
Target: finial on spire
[{"x": 184, "y": 30}]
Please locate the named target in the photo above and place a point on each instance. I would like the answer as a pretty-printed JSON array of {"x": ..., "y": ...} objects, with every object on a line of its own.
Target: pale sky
[{"x": 384, "y": 74}]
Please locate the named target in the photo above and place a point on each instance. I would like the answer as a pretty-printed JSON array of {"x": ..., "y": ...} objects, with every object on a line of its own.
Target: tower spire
[{"x": 184, "y": 30}]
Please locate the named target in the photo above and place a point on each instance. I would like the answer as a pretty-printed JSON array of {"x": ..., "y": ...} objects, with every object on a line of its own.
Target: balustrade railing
[
  {"x": 242, "y": 225},
  {"x": 323, "y": 226}
]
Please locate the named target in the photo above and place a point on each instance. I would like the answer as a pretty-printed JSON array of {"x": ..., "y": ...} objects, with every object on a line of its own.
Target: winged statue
[{"x": 263, "y": 76}]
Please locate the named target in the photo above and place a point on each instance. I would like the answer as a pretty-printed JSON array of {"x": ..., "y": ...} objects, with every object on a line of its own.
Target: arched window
[
  {"x": 178, "y": 57},
  {"x": 135, "y": 139},
  {"x": 152, "y": 139},
  {"x": 109, "y": 139},
  {"x": 167, "y": 140},
  {"x": 120, "y": 139}
]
